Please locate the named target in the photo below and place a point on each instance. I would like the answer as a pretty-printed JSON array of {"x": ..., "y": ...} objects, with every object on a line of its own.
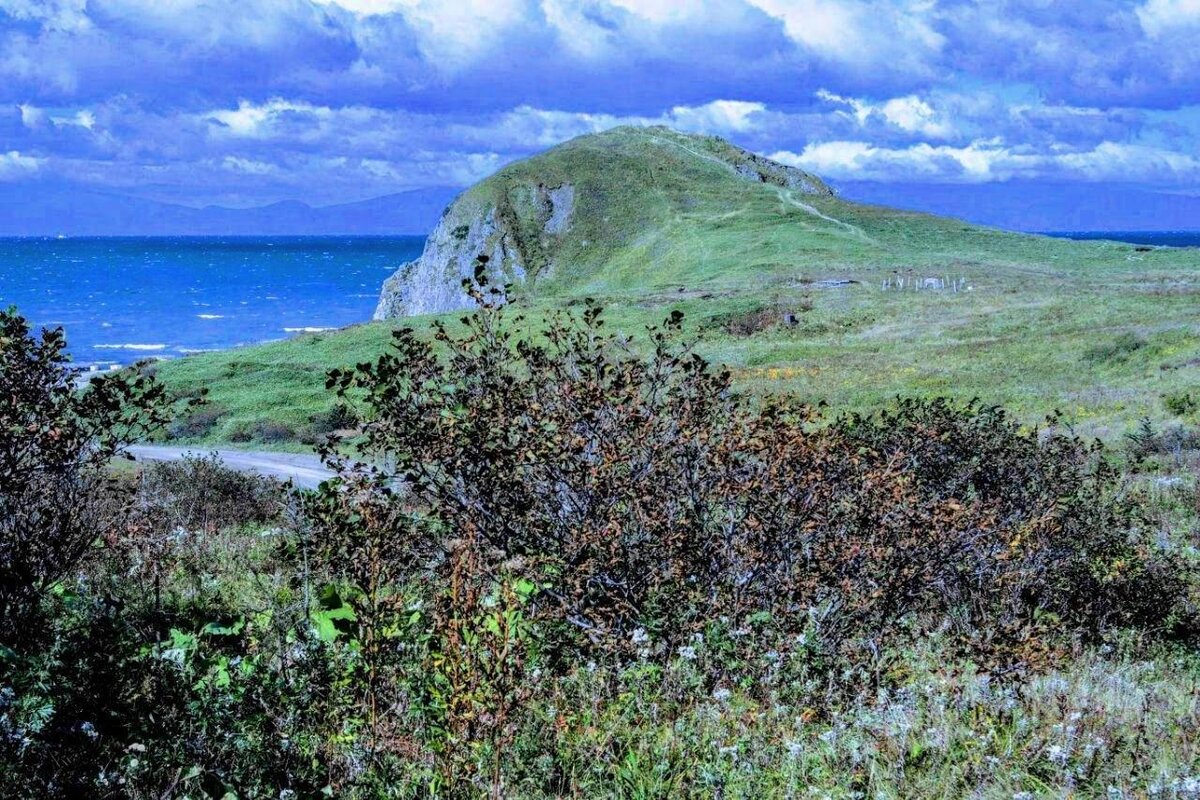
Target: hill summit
[{"x": 607, "y": 207}]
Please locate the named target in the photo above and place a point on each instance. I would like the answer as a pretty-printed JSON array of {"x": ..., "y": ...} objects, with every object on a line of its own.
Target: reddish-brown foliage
[{"x": 651, "y": 496}]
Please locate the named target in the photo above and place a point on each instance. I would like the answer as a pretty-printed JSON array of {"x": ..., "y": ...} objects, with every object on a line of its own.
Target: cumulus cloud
[
  {"x": 15, "y": 165},
  {"x": 992, "y": 160},
  {"x": 448, "y": 34},
  {"x": 1160, "y": 16},
  {"x": 69, "y": 15},
  {"x": 896, "y": 34},
  {"x": 910, "y": 113},
  {"x": 340, "y": 99}
]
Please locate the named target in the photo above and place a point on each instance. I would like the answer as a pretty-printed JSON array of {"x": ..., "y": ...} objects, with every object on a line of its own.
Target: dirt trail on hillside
[{"x": 306, "y": 471}]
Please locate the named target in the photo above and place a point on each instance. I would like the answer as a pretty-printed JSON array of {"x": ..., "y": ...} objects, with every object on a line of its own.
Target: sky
[{"x": 246, "y": 102}]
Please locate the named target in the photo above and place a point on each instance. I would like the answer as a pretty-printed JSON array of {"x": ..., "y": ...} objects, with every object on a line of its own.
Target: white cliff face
[{"x": 433, "y": 283}]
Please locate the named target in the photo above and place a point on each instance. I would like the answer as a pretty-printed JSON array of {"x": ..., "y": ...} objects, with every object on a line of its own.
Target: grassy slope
[{"x": 660, "y": 226}]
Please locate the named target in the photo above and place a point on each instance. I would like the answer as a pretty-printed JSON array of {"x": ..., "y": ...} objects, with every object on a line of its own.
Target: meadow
[{"x": 1104, "y": 333}]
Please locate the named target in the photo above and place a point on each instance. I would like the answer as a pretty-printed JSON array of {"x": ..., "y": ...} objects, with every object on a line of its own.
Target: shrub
[
  {"x": 55, "y": 444},
  {"x": 1180, "y": 403},
  {"x": 197, "y": 424},
  {"x": 200, "y": 493},
  {"x": 265, "y": 431},
  {"x": 1116, "y": 351},
  {"x": 647, "y": 501},
  {"x": 1146, "y": 440},
  {"x": 761, "y": 318},
  {"x": 339, "y": 417}
]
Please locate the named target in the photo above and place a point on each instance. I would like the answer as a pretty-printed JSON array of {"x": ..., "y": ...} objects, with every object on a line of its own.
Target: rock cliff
[{"x": 561, "y": 214}]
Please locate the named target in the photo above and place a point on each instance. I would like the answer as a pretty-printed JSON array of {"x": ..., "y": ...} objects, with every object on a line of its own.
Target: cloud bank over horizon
[{"x": 245, "y": 102}]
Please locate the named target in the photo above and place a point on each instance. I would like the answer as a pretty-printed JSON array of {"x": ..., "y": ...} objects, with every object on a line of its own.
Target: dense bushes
[
  {"x": 199, "y": 423},
  {"x": 647, "y": 502},
  {"x": 200, "y": 494},
  {"x": 55, "y": 443},
  {"x": 265, "y": 431}
]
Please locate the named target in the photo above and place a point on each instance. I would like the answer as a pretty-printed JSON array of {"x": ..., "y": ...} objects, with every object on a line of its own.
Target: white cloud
[
  {"x": 15, "y": 165},
  {"x": 910, "y": 113},
  {"x": 992, "y": 160},
  {"x": 82, "y": 119},
  {"x": 450, "y": 34},
  {"x": 663, "y": 11},
  {"x": 1161, "y": 16},
  {"x": 66, "y": 15},
  {"x": 247, "y": 166},
  {"x": 1122, "y": 162},
  {"x": 976, "y": 162},
  {"x": 523, "y": 129},
  {"x": 717, "y": 116},
  {"x": 878, "y": 33},
  {"x": 31, "y": 116},
  {"x": 255, "y": 120}
]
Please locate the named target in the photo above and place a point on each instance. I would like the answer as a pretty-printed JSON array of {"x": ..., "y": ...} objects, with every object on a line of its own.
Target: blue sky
[{"x": 243, "y": 102}]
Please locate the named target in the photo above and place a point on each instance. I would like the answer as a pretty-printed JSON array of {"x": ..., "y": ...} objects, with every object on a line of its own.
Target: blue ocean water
[
  {"x": 1152, "y": 238},
  {"x": 123, "y": 299}
]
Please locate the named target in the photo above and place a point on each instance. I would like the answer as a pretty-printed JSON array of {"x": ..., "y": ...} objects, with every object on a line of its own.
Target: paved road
[{"x": 305, "y": 471}]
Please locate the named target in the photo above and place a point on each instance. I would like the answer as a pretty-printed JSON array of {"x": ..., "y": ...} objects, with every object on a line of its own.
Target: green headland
[{"x": 793, "y": 288}]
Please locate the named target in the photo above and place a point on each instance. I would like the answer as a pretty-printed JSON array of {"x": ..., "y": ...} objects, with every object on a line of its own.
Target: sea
[
  {"x": 121, "y": 300},
  {"x": 1151, "y": 238}
]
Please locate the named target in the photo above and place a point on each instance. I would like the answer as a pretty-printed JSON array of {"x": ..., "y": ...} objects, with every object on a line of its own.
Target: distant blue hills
[
  {"x": 41, "y": 210},
  {"x": 1039, "y": 207}
]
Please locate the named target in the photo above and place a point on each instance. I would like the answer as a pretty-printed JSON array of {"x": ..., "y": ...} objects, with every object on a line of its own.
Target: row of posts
[{"x": 901, "y": 283}]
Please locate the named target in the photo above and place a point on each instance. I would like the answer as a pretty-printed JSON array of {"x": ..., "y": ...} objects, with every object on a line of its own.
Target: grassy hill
[{"x": 794, "y": 289}]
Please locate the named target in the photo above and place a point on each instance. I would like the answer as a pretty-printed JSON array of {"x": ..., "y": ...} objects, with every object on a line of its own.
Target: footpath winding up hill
[{"x": 792, "y": 287}]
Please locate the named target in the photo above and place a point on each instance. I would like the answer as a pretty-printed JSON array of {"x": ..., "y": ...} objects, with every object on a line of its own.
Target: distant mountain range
[
  {"x": 40, "y": 210},
  {"x": 51, "y": 211},
  {"x": 1038, "y": 207}
]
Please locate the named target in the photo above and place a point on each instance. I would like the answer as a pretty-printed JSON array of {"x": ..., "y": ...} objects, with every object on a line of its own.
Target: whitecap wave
[
  {"x": 131, "y": 347},
  {"x": 310, "y": 329},
  {"x": 210, "y": 316}
]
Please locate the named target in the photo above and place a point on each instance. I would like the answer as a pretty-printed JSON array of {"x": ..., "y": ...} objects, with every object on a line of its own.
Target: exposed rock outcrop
[
  {"x": 468, "y": 229},
  {"x": 524, "y": 217}
]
